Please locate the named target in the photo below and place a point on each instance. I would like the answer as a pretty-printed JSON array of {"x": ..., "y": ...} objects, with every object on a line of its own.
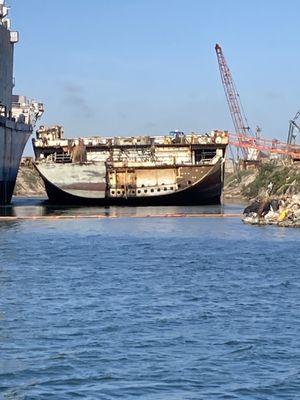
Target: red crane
[{"x": 239, "y": 120}]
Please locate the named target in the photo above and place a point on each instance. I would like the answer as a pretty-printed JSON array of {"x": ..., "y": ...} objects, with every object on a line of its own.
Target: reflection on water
[
  {"x": 149, "y": 308},
  {"x": 35, "y": 207},
  {"x": 6, "y": 226},
  {"x": 7, "y": 211}
]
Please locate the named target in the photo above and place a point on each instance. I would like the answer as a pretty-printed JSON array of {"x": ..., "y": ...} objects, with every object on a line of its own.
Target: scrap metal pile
[{"x": 284, "y": 211}]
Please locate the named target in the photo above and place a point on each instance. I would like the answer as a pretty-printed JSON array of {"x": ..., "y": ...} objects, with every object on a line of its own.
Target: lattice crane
[
  {"x": 294, "y": 129},
  {"x": 236, "y": 110}
]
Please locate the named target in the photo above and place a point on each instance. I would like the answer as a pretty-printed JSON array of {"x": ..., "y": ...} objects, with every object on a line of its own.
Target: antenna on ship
[
  {"x": 3, "y": 10},
  {"x": 14, "y": 36}
]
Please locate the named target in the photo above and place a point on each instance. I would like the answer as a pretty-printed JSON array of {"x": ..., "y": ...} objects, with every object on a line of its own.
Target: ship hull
[
  {"x": 13, "y": 138},
  {"x": 205, "y": 190}
]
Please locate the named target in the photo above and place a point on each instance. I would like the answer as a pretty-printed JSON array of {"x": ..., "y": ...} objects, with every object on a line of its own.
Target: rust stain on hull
[
  {"x": 183, "y": 170},
  {"x": 207, "y": 190}
]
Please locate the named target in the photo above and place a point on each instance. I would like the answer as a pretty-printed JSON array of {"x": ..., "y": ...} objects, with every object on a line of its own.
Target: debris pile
[
  {"x": 252, "y": 183},
  {"x": 29, "y": 183},
  {"x": 284, "y": 211}
]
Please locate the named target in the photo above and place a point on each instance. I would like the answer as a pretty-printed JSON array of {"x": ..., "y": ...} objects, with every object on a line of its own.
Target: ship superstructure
[
  {"x": 17, "y": 114},
  {"x": 173, "y": 169}
]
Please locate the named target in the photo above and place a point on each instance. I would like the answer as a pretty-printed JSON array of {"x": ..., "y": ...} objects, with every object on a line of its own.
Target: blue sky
[{"x": 129, "y": 67}]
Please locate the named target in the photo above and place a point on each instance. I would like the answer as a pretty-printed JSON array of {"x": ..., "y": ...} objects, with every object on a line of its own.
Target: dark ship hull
[
  {"x": 17, "y": 115},
  {"x": 205, "y": 190},
  {"x": 13, "y": 138}
]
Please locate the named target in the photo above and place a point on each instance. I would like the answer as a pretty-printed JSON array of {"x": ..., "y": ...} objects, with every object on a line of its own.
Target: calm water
[{"x": 164, "y": 309}]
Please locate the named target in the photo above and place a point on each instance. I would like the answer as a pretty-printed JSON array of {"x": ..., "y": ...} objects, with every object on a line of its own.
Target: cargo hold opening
[{"x": 204, "y": 154}]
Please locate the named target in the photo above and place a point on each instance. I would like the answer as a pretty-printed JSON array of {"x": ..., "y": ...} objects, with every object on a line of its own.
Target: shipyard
[
  {"x": 149, "y": 181},
  {"x": 171, "y": 169}
]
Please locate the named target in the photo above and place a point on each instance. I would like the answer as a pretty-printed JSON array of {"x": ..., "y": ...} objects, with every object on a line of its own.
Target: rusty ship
[
  {"x": 175, "y": 169},
  {"x": 17, "y": 114}
]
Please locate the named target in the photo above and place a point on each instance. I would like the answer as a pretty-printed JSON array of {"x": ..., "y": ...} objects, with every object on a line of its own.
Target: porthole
[
  {"x": 139, "y": 191},
  {"x": 112, "y": 192},
  {"x": 189, "y": 182},
  {"x": 133, "y": 191},
  {"x": 158, "y": 189},
  {"x": 171, "y": 188},
  {"x": 152, "y": 190},
  {"x": 118, "y": 192},
  {"x": 145, "y": 191},
  {"x": 165, "y": 188},
  {"x": 179, "y": 186}
]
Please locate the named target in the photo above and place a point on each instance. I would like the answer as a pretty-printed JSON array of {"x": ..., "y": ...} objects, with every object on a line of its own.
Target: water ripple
[{"x": 152, "y": 309}]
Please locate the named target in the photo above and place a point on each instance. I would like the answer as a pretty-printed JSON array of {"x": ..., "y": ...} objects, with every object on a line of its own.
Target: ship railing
[
  {"x": 63, "y": 158},
  {"x": 147, "y": 140},
  {"x": 150, "y": 163},
  {"x": 58, "y": 158}
]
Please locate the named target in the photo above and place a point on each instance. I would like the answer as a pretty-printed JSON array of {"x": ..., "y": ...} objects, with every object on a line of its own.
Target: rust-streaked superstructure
[{"x": 173, "y": 169}]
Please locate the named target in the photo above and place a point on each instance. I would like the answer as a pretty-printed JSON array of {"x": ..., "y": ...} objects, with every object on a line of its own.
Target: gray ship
[{"x": 17, "y": 114}]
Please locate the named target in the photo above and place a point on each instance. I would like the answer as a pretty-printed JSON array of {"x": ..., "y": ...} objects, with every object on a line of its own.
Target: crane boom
[
  {"x": 268, "y": 146},
  {"x": 232, "y": 97},
  {"x": 294, "y": 129}
]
